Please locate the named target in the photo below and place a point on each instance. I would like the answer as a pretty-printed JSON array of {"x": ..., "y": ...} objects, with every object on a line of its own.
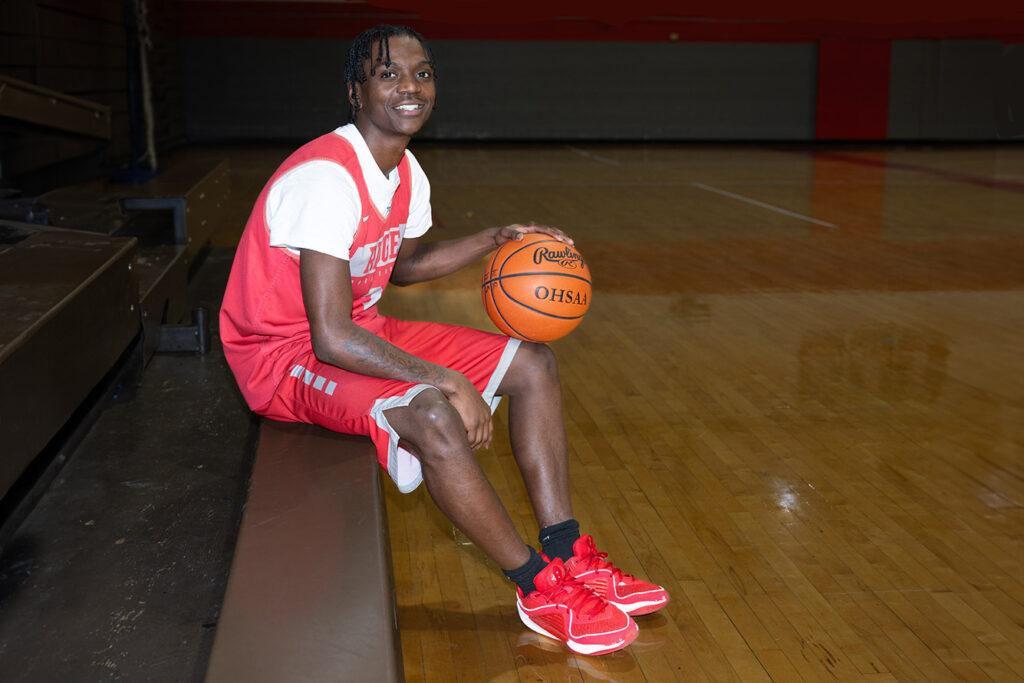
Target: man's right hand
[{"x": 474, "y": 411}]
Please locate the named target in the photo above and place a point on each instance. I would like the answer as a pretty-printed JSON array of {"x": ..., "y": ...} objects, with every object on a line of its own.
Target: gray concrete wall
[
  {"x": 956, "y": 90},
  {"x": 292, "y": 89},
  {"x": 237, "y": 88},
  {"x": 635, "y": 91}
]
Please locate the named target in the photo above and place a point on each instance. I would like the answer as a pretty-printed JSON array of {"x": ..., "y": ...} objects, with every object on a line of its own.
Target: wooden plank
[
  {"x": 310, "y": 595},
  {"x": 822, "y": 465},
  {"x": 44, "y": 107},
  {"x": 197, "y": 190},
  {"x": 57, "y": 286}
]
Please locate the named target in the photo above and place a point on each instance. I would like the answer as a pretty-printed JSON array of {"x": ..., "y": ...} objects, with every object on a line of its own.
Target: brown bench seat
[{"x": 310, "y": 595}]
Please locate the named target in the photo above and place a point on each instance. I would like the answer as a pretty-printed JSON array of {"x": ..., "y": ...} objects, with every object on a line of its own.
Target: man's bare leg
[
  {"x": 537, "y": 431},
  {"x": 454, "y": 479}
]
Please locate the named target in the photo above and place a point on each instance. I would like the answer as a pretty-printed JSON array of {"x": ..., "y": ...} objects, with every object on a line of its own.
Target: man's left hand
[{"x": 515, "y": 232}]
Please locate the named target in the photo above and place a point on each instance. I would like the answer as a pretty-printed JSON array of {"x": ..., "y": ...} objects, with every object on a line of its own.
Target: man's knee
[
  {"x": 533, "y": 364},
  {"x": 543, "y": 359},
  {"x": 430, "y": 422}
]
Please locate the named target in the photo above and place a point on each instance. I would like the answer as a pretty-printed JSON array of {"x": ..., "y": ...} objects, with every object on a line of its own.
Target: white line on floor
[
  {"x": 595, "y": 157},
  {"x": 763, "y": 205}
]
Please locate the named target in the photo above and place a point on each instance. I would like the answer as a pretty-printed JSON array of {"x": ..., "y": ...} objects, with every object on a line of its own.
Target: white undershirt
[{"x": 316, "y": 204}]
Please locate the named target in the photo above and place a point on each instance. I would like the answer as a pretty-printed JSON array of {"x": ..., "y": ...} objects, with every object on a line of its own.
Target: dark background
[{"x": 645, "y": 70}]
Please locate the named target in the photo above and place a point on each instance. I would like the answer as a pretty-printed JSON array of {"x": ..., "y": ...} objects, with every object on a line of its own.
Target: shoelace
[
  {"x": 575, "y": 595},
  {"x": 595, "y": 560}
]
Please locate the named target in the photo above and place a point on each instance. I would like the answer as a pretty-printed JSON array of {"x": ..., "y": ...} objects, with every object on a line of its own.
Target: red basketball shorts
[{"x": 350, "y": 403}]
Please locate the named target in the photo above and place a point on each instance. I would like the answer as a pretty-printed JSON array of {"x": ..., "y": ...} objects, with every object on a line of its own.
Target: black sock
[
  {"x": 556, "y": 540},
  {"x": 523, "y": 576}
]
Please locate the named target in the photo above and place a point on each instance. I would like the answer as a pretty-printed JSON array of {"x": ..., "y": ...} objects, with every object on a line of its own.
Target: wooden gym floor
[{"x": 797, "y": 402}]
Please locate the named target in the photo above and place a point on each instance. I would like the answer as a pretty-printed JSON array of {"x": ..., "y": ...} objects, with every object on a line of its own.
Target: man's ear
[{"x": 353, "y": 97}]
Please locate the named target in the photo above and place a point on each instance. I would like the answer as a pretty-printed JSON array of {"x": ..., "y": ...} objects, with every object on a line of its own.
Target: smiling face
[{"x": 398, "y": 95}]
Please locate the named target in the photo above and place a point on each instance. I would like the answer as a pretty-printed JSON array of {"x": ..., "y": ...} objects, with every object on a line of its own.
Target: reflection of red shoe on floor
[
  {"x": 632, "y": 595},
  {"x": 566, "y": 610},
  {"x": 647, "y": 640},
  {"x": 652, "y": 636},
  {"x": 608, "y": 668}
]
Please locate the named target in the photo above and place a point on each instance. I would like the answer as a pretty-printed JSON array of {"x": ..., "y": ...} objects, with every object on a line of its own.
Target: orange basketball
[{"x": 537, "y": 289}]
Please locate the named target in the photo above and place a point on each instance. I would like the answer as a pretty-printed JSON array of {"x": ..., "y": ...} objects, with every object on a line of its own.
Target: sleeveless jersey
[{"x": 263, "y": 322}]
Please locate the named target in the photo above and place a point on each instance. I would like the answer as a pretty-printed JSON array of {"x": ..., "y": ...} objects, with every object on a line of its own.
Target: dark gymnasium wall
[
  {"x": 642, "y": 70},
  {"x": 226, "y": 70},
  {"x": 82, "y": 49}
]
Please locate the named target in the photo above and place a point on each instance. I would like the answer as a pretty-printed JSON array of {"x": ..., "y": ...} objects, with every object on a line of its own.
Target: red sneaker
[
  {"x": 632, "y": 595},
  {"x": 566, "y": 610}
]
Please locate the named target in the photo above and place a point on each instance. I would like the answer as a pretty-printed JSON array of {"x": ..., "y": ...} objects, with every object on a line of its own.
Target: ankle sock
[
  {"x": 556, "y": 540},
  {"x": 523, "y": 576}
]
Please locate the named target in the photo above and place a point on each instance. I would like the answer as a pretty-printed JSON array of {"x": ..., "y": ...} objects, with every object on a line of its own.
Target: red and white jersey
[{"x": 263, "y": 323}]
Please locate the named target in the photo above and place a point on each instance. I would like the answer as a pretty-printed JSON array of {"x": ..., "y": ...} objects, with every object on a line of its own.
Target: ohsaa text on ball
[{"x": 566, "y": 296}]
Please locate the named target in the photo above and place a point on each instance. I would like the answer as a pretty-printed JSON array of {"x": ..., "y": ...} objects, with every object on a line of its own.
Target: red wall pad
[{"x": 853, "y": 89}]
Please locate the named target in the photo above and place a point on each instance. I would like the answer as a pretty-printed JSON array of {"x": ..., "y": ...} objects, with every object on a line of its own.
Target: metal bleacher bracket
[
  {"x": 195, "y": 191},
  {"x": 189, "y": 197}
]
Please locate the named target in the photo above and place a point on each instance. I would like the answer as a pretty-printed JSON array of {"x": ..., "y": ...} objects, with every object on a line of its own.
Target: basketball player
[{"x": 342, "y": 217}]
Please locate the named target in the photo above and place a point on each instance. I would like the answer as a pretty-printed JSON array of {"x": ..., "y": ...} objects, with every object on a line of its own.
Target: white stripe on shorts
[{"x": 404, "y": 467}]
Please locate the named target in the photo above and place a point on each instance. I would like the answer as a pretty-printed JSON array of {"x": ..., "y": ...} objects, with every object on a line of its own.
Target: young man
[{"x": 338, "y": 220}]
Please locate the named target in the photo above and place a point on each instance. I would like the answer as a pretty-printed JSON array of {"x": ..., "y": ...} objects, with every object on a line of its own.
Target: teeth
[{"x": 408, "y": 107}]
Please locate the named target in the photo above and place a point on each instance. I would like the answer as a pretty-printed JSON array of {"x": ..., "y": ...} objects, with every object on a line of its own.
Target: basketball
[{"x": 537, "y": 289}]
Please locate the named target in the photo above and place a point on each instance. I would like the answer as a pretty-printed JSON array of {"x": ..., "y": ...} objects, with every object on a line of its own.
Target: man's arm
[
  {"x": 422, "y": 261},
  {"x": 327, "y": 294}
]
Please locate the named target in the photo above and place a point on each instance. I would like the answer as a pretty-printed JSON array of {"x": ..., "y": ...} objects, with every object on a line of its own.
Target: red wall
[
  {"x": 853, "y": 89},
  {"x": 638, "y": 20}
]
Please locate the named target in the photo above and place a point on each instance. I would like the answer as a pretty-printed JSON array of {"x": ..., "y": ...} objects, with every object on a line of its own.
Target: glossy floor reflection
[{"x": 797, "y": 401}]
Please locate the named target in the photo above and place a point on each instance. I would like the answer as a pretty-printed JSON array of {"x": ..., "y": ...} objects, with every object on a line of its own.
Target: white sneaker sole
[
  {"x": 640, "y": 608},
  {"x": 579, "y": 648}
]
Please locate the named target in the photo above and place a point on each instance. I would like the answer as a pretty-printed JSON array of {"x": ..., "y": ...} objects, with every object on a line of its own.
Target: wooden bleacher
[
  {"x": 25, "y": 101},
  {"x": 77, "y": 294},
  {"x": 311, "y": 596},
  {"x": 40, "y": 127},
  {"x": 70, "y": 310},
  {"x": 172, "y": 215}
]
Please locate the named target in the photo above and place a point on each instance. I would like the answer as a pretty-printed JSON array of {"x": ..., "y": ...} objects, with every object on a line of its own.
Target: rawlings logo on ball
[{"x": 567, "y": 258}]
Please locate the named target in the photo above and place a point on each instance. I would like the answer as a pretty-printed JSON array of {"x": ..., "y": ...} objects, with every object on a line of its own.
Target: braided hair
[{"x": 362, "y": 49}]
